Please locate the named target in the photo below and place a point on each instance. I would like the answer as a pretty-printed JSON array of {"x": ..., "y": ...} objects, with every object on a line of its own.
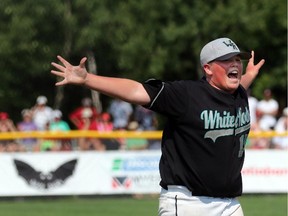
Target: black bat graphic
[{"x": 40, "y": 180}]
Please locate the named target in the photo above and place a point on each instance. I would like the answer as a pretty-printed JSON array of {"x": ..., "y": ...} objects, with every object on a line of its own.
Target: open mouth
[{"x": 233, "y": 75}]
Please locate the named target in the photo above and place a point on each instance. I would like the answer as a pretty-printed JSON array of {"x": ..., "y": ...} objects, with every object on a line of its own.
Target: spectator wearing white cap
[
  {"x": 58, "y": 124},
  {"x": 86, "y": 108},
  {"x": 89, "y": 123},
  {"x": 42, "y": 114}
]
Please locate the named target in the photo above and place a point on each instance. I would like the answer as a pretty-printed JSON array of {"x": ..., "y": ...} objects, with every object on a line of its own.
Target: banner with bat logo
[
  {"x": 79, "y": 173},
  {"x": 118, "y": 172}
]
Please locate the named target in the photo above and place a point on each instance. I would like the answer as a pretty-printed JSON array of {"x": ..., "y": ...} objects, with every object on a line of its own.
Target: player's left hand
[{"x": 253, "y": 69}]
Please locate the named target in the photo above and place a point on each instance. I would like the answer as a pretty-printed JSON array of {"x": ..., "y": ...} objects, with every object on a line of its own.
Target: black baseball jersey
[{"x": 204, "y": 138}]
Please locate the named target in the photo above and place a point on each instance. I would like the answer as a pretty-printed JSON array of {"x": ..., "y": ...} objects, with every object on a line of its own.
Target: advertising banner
[
  {"x": 119, "y": 172},
  {"x": 265, "y": 171}
]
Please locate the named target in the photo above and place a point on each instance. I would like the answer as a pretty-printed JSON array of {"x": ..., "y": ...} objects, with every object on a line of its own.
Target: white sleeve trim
[{"x": 152, "y": 103}]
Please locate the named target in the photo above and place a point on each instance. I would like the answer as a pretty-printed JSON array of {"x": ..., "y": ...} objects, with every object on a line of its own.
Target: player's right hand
[{"x": 70, "y": 74}]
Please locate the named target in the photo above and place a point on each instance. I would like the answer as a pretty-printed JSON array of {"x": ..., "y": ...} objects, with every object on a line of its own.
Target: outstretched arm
[
  {"x": 251, "y": 71},
  {"x": 124, "y": 89}
]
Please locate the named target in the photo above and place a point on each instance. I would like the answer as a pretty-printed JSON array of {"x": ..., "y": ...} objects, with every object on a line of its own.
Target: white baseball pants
[{"x": 178, "y": 201}]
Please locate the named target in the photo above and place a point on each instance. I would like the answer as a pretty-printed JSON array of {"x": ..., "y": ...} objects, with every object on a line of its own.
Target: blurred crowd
[
  {"x": 123, "y": 116},
  {"x": 41, "y": 117},
  {"x": 265, "y": 117}
]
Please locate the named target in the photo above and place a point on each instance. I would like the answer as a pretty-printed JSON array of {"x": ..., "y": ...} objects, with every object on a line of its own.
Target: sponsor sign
[{"x": 118, "y": 172}]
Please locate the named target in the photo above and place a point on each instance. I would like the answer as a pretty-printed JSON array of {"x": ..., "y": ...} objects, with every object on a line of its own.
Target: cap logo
[{"x": 230, "y": 43}]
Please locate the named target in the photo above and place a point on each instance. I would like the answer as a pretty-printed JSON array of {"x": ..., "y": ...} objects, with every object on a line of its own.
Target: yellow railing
[
  {"x": 78, "y": 133},
  {"x": 113, "y": 134}
]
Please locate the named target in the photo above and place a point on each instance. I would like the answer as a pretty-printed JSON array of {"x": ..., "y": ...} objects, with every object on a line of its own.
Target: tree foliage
[{"x": 134, "y": 39}]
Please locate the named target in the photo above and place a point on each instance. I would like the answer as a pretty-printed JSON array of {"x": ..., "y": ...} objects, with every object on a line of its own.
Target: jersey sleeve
[{"x": 167, "y": 98}]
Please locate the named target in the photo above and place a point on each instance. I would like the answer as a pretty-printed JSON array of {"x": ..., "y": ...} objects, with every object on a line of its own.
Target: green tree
[
  {"x": 135, "y": 39},
  {"x": 26, "y": 50}
]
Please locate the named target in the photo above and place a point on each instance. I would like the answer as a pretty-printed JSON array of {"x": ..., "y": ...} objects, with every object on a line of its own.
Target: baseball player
[{"x": 207, "y": 126}]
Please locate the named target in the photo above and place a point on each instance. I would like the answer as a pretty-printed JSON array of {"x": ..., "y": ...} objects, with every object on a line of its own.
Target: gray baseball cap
[{"x": 221, "y": 49}]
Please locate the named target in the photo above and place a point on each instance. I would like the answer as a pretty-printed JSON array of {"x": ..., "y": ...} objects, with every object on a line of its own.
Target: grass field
[{"x": 253, "y": 205}]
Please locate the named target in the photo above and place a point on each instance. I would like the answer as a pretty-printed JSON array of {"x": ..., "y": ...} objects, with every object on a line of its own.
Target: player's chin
[
  {"x": 233, "y": 86},
  {"x": 233, "y": 82}
]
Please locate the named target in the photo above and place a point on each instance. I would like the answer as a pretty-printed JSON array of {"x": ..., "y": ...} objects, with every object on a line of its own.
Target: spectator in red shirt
[
  {"x": 76, "y": 115},
  {"x": 104, "y": 122},
  {"x": 89, "y": 123}
]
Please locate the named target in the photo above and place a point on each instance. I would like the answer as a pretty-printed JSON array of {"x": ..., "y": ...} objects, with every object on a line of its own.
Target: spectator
[
  {"x": 57, "y": 123},
  {"x": 257, "y": 142},
  {"x": 105, "y": 124},
  {"x": 7, "y": 125},
  {"x": 89, "y": 123},
  {"x": 60, "y": 125},
  {"x": 148, "y": 122},
  {"x": 135, "y": 143},
  {"x": 146, "y": 118},
  {"x": 252, "y": 101},
  {"x": 76, "y": 116},
  {"x": 27, "y": 124},
  {"x": 42, "y": 114},
  {"x": 47, "y": 144},
  {"x": 267, "y": 110},
  {"x": 281, "y": 142},
  {"x": 121, "y": 112}
]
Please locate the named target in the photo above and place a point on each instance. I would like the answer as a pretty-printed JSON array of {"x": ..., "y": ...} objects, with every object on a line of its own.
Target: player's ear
[{"x": 207, "y": 69}]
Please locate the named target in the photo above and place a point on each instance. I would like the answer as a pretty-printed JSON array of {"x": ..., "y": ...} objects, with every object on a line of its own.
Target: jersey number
[{"x": 243, "y": 140}]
